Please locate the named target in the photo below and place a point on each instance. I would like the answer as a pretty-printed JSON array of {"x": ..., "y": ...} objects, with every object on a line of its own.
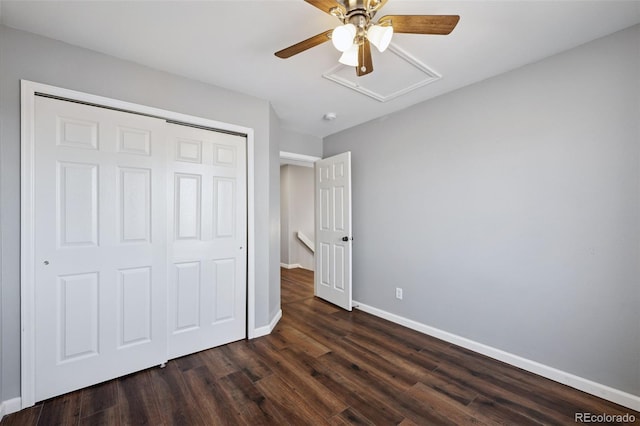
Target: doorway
[{"x": 297, "y": 211}]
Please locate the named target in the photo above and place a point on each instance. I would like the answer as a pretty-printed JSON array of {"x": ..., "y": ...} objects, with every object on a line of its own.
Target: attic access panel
[{"x": 396, "y": 73}]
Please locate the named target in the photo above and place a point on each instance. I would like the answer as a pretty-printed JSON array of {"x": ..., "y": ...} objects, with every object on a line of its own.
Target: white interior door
[
  {"x": 207, "y": 234},
  {"x": 100, "y": 274},
  {"x": 333, "y": 230}
]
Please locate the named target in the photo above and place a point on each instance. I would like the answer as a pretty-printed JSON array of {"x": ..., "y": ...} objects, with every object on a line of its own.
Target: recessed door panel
[
  {"x": 324, "y": 209},
  {"x": 134, "y": 141},
  {"x": 325, "y": 276},
  {"x": 189, "y": 151},
  {"x": 338, "y": 208},
  {"x": 187, "y": 201},
  {"x": 135, "y": 306},
  {"x": 323, "y": 173},
  {"x": 224, "y": 273},
  {"x": 78, "y": 204},
  {"x": 187, "y": 296},
  {"x": 224, "y": 206},
  {"x": 78, "y": 316},
  {"x": 77, "y": 133},
  {"x": 135, "y": 204},
  {"x": 338, "y": 267},
  {"x": 224, "y": 155}
]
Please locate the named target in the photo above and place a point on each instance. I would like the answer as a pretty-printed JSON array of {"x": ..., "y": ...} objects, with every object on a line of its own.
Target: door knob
[{"x": 345, "y": 239}]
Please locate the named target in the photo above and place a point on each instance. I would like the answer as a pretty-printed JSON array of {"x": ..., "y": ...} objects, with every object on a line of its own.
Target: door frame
[{"x": 28, "y": 91}]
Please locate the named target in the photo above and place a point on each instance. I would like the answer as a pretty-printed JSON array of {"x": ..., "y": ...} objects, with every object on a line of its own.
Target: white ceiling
[{"x": 231, "y": 44}]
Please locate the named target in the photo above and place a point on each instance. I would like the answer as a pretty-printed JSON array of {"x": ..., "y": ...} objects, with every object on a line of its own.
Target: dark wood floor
[{"x": 322, "y": 365}]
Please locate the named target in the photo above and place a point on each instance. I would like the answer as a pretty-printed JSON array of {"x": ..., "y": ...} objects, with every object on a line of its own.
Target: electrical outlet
[{"x": 398, "y": 293}]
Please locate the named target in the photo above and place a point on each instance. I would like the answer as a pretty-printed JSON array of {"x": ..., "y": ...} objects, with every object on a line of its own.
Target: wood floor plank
[
  {"x": 64, "y": 410},
  {"x": 324, "y": 366},
  {"x": 313, "y": 307},
  {"x": 553, "y": 395},
  {"x": 137, "y": 402},
  {"x": 309, "y": 326},
  {"x": 560, "y": 402},
  {"x": 492, "y": 396},
  {"x": 407, "y": 422},
  {"x": 395, "y": 347},
  {"x": 217, "y": 362},
  {"x": 410, "y": 367},
  {"x": 175, "y": 399},
  {"x": 242, "y": 354},
  {"x": 295, "y": 292},
  {"x": 388, "y": 368},
  {"x": 452, "y": 390},
  {"x": 444, "y": 407},
  {"x": 107, "y": 417},
  {"x": 98, "y": 398},
  {"x": 374, "y": 410},
  {"x": 189, "y": 362},
  {"x": 492, "y": 412},
  {"x": 300, "y": 340},
  {"x": 252, "y": 406},
  {"x": 407, "y": 337},
  {"x": 216, "y": 408},
  {"x": 350, "y": 416},
  {"x": 294, "y": 407},
  {"x": 361, "y": 376},
  {"x": 290, "y": 371},
  {"x": 27, "y": 417}
]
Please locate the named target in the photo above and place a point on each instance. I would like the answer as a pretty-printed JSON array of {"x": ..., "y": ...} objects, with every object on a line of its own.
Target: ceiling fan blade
[
  {"x": 422, "y": 24},
  {"x": 327, "y": 5},
  {"x": 365, "y": 63},
  {"x": 304, "y": 45}
]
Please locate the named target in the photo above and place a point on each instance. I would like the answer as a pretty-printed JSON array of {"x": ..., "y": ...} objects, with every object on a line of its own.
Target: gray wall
[
  {"x": 509, "y": 211},
  {"x": 284, "y": 214},
  {"x": 299, "y": 143},
  {"x": 275, "y": 133},
  {"x": 27, "y": 56},
  {"x": 296, "y": 214}
]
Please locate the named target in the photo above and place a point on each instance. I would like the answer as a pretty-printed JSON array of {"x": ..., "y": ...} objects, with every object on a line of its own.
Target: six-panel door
[
  {"x": 333, "y": 230},
  {"x": 207, "y": 234}
]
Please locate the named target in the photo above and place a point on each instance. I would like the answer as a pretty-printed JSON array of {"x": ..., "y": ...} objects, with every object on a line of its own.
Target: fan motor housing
[{"x": 353, "y": 4}]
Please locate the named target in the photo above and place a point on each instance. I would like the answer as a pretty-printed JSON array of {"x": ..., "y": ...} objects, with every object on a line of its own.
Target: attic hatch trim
[{"x": 353, "y": 84}]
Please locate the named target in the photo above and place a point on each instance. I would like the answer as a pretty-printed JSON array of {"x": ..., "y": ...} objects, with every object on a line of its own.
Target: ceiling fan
[{"x": 358, "y": 31}]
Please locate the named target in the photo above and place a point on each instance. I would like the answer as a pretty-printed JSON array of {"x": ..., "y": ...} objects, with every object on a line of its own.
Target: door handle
[{"x": 345, "y": 239}]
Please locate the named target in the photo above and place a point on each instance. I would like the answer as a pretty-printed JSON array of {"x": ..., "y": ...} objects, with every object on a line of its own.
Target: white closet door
[
  {"x": 100, "y": 245},
  {"x": 207, "y": 239}
]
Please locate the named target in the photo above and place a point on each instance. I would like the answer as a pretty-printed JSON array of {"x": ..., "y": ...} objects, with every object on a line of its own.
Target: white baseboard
[
  {"x": 605, "y": 392},
  {"x": 267, "y": 329},
  {"x": 290, "y": 266},
  {"x": 294, "y": 266},
  {"x": 10, "y": 406}
]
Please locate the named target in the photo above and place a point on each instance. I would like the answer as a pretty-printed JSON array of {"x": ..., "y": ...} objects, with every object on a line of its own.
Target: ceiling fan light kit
[
  {"x": 350, "y": 56},
  {"x": 342, "y": 37},
  {"x": 380, "y": 36},
  {"x": 358, "y": 31}
]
